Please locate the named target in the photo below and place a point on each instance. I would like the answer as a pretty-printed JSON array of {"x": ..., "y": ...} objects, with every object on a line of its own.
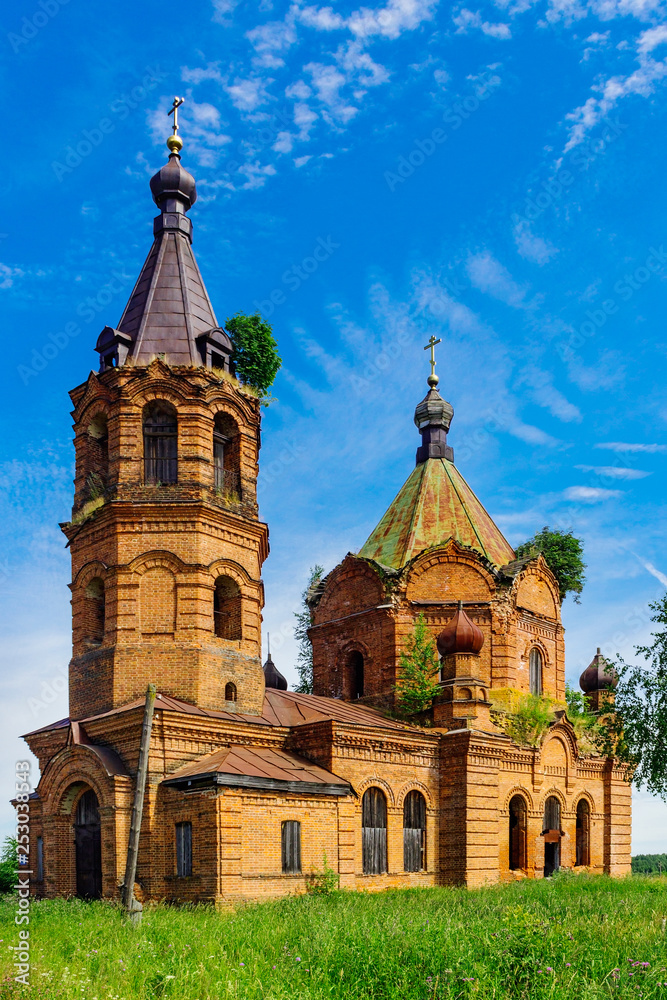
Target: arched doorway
[
  {"x": 353, "y": 675},
  {"x": 88, "y": 846},
  {"x": 518, "y": 826},
  {"x": 552, "y": 835}
]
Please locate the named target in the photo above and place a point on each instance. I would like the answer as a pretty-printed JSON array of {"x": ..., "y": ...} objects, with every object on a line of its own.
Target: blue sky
[{"x": 491, "y": 174}]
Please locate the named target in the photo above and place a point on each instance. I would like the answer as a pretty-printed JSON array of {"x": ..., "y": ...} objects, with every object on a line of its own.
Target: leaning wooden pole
[{"x": 132, "y": 906}]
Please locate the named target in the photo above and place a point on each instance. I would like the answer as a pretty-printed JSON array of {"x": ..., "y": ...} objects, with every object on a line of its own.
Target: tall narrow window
[
  {"x": 551, "y": 833},
  {"x": 94, "y": 612},
  {"x": 226, "y": 455},
  {"x": 535, "y": 669},
  {"x": 183, "y": 849},
  {"x": 374, "y": 832},
  {"x": 518, "y": 829},
  {"x": 227, "y": 607},
  {"x": 414, "y": 832},
  {"x": 230, "y": 691},
  {"x": 160, "y": 443},
  {"x": 583, "y": 833},
  {"x": 291, "y": 847},
  {"x": 96, "y": 457},
  {"x": 353, "y": 675}
]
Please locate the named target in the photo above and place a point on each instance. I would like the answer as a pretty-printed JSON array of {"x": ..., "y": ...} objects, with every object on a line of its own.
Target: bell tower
[{"x": 167, "y": 546}]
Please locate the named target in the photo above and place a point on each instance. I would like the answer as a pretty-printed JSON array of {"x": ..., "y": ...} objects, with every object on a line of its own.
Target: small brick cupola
[
  {"x": 598, "y": 676},
  {"x": 272, "y": 676}
]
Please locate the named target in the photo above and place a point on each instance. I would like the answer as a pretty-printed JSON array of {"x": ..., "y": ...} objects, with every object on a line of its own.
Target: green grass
[{"x": 568, "y": 937}]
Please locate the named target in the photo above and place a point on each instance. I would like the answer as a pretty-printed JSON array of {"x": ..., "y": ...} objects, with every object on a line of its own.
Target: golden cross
[
  {"x": 432, "y": 342},
  {"x": 174, "y": 111}
]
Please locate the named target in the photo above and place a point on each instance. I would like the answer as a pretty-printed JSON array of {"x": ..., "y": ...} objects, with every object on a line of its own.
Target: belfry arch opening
[
  {"x": 535, "y": 671},
  {"x": 226, "y": 457},
  {"x": 94, "y": 612},
  {"x": 227, "y": 609},
  {"x": 353, "y": 675},
  {"x": 160, "y": 427},
  {"x": 88, "y": 846},
  {"x": 518, "y": 826},
  {"x": 96, "y": 457}
]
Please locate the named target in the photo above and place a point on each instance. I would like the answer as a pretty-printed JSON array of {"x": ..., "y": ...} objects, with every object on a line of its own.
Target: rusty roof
[
  {"x": 434, "y": 505},
  {"x": 260, "y": 767},
  {"x": 281, "y": 708}
]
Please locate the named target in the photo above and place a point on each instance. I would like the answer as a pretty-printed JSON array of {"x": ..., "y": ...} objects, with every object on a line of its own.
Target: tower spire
[{"x": 433, "y": 416}]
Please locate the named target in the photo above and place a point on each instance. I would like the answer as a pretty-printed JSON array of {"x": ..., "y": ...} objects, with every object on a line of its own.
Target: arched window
[
  {"x": 230, "y": 691},
  {"x": 88, "y": 846},
  {"x": 583, "y": 833},
  {"x": 227, "y": 608},
  {"x": 353, "y": 675},
  {"x": 96, "y": 458},
  {"x": 414, "y": 832},
  {"x": 535, "y": 670},
  {"x": 226, "y": 455},
  {"x": 374, "y": 832},
  {"x": 551, "y": 834},
  {"x": 94, "y": 612},
  {"x": 518, "y": 828},
  {"x": 160, "y": 443}
]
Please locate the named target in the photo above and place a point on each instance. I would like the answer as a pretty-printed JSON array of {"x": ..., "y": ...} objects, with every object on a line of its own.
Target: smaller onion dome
[
  {"x": 172, "y": 187},
  {"x": 433, "y": 411},
  {"x": 272, "y": 676},
  {"x": 598, "y": 676},
  {"x": 461, "y": 635}
]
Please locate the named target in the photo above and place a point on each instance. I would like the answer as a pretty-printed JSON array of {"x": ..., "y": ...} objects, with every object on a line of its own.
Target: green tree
[
  {"x": 418, "y": 670},
  {"x": 564, "y": 556},
  {"x": 635, "y": 715},
  {"x": 9, "y": 865},
  {"x": 304, "y": 619},
  {"x": 255, "y": 355}
]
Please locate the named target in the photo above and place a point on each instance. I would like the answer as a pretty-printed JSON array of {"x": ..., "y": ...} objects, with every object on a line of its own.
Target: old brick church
[{"x": 249, "y": 784}]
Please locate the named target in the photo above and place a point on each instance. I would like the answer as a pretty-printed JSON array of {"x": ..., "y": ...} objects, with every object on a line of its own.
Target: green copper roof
[{"x": 435, "y": 504}]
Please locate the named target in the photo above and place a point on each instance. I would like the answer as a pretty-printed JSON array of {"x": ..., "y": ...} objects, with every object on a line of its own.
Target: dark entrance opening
[
  {"x": 88, "y": 841},
  {"x": 518, "y": 826},
  {"x": 552, "y": 835},
  {"x": 583, "y": 833},
  {"x": 355, "y": 675}
]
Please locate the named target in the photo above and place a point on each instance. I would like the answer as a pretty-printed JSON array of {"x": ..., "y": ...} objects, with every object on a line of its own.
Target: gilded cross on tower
[
  {"x": 174, "y": 142},
  {"x": 433, "y": 378}
]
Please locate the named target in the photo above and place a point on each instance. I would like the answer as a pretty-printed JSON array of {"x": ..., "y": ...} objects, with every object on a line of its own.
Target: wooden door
[{"x": 88, "y": 845}]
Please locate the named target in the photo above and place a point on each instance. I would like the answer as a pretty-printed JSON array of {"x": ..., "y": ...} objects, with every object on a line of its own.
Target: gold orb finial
[
  {"x": 174, "y": 144},
  {"x": 433, "y": 380}
]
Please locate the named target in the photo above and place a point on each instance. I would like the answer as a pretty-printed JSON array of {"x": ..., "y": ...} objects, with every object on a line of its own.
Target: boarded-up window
[
  {"x": 583, "y": 833},
  {"x": 227, "y": 608},
  {"x": 374, "y": 832},
  {"x": 93, "y": 612},
  {"x": 518, "y": 827},
  {"x": 291, "y": 847},
  {"x": 183, "y": 849},
  {"x": 160, "y": 443},
  {"x": 414, "y": 832},
  {"x": 157, "y": 596},
  {"x": 40, "y": 859},
  {"x": 535, "y": 670}
]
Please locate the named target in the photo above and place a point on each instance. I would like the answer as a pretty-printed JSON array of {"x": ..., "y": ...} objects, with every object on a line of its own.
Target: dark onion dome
[
  {"x": 272, "y": 676},
  {"x": 461, "y": 635},
  {"x": 172, "y": 187},
  {"x": 599, "y": 676}
]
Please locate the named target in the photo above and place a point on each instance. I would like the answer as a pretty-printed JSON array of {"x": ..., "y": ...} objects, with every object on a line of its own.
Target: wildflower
[
  {"x": 242, "y": 963},
  {"x": 568, "y": 965},
  {"x": 549, "y": 969},
  {"x": 298, "y": 959}
]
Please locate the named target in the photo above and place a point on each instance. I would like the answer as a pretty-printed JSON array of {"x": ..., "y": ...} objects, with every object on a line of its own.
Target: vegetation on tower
[
  {"x": 255, "y": 356},
  {"x": 564, "y": 557},
  {"x": 304, "y": 619}
]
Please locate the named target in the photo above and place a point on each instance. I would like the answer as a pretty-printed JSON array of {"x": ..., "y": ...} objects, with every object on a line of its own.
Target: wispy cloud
[
  {"x": 467, "y": 20},
  {"x": 614, "y": 471},
  {"x": 650, "y": 568},
  {"x": 649, "y": 449},
  {"x": 590, "y": 494},
  {"x": 489, "y": 276}
]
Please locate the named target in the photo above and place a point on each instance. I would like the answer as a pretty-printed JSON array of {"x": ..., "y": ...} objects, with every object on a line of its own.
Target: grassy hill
[{"x": 566, "y": 937}]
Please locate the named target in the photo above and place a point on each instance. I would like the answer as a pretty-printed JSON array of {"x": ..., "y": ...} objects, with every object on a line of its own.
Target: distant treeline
[{"x": 649, "y": 864}]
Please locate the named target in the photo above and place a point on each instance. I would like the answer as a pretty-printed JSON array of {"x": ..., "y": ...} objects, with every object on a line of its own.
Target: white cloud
[
  {"x": 272, "y": 40},
  {"x": 489, "y": 276},
  {"x": 248, "y": 94},
  {"x": 200, "y": 73},
  {"x": 546, "y": 395},
  {"x": 301, "y": 161},
  {"x": 284, "y": 142},
  {"x": 391, "y": 21},
  {"x": 304, "y": 119},
  {"x": 465, "y": 20},
  {"x": 357, "y": 63},
  {"x": 321, "y": 18},
  {"x": 590, "y": 494},
  {"x": 649, "y": 449},
  {"x": 327, "y": 81},
  {"x": 222, "y": 9},
  {"x": 530, "y": 246},
  {"x": 614, "y": 471},
  {"x": 7, "y": 275},
  {"x": 300, "y": 90},
  {"x": 650, "y": 568}
]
